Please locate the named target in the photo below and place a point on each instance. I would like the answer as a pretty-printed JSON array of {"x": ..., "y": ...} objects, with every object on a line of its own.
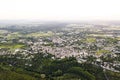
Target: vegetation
[
  {"x": 90, "y": 40},
  {"x": 95, "y": 50},
  {"x": 102, "y": 52},
  {"x": 43, "y": 66},
  {"x": 12, "y": 75},
  {"x": 40, "y": 34},
  {"x": 11, "y": 46}
]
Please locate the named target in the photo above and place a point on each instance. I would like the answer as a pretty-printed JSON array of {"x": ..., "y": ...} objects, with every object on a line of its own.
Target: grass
[
  {"x": 3, "y": 31},
  {"x": 100, "y": 35},
  {"x": 98, "y": 52},
  {"x": 118, "y": 38},
  {"x": 90, "y": 40},
  {"x": 14, "y": 35},
  {"x": 11, "y": 46},
  {"x": 41, "y": 34}
]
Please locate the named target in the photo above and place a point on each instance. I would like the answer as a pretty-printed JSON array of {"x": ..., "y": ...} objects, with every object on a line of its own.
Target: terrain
[{"x": 60, "y": 51}]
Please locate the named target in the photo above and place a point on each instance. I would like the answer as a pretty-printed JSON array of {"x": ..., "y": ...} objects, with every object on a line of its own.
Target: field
[
  {"x": 11, "y": 46},
  {"x": 41, "y": 34}
]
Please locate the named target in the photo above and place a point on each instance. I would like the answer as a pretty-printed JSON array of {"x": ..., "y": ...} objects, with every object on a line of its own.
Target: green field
[
  {"x": 41, "y": 34},
  {"x": 90, "y": 40},
  {"x": 98, "y": 52},
  {"x": 11, "y": 46}
]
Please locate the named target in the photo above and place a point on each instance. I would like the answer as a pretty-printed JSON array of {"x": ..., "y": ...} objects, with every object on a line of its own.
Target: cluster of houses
[{"x": 67, "y": 45}]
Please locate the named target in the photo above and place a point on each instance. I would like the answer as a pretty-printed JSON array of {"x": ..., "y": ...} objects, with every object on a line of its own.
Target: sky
[{"x": 60, "y": 9}]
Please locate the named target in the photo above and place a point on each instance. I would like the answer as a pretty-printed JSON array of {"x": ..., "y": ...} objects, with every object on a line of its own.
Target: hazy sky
[{"x": 60, "y": 9}]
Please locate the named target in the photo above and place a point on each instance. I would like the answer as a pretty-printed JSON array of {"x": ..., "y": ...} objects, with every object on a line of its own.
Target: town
[
  {"x": 78, "y": 40},
  {"x": 98, "y": 44}
]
